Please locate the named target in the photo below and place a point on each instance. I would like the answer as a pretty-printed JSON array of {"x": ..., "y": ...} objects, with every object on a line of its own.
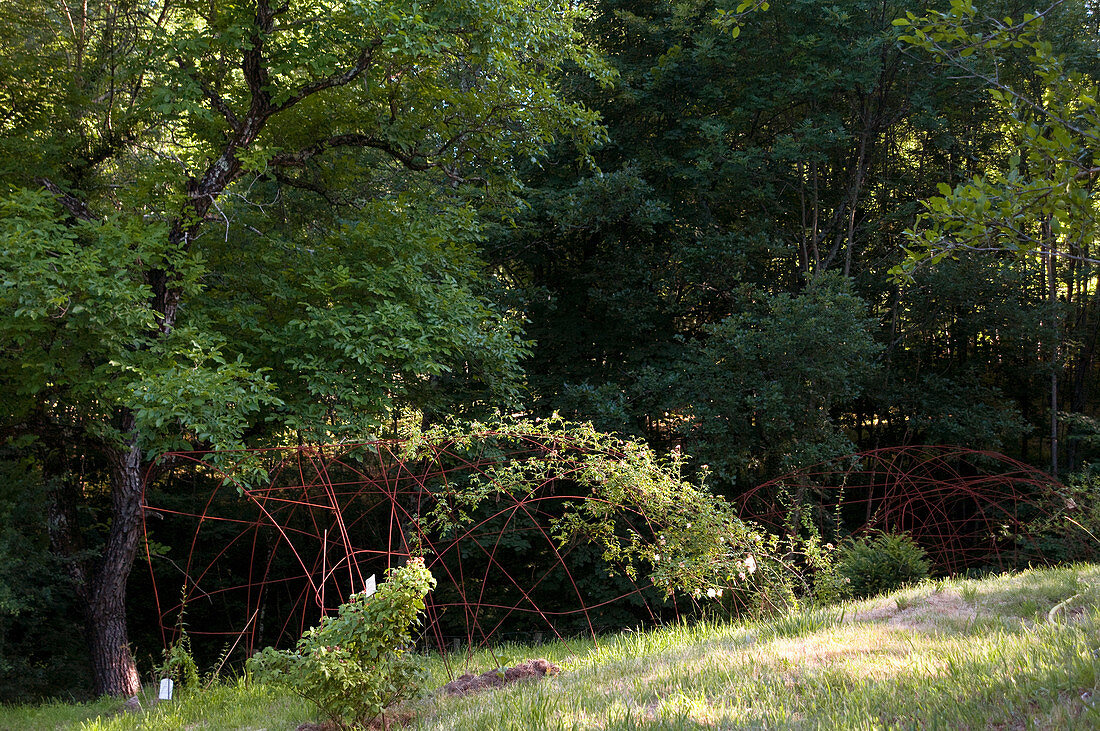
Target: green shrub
[
  {"x": 179, "y": 663},
  {"x": 827, "y": 584},
  {"x": 882, "y": 563},
  {"x": 1069, "y": 527},
  {"x": 355, "y": 664}
]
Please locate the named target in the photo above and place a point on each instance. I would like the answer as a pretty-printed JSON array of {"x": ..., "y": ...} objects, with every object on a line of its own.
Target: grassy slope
[{"x": 952, "y": 654}]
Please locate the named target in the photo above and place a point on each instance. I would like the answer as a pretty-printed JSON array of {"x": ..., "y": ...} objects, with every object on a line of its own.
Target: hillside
[{"x": 1016, "y": 651}]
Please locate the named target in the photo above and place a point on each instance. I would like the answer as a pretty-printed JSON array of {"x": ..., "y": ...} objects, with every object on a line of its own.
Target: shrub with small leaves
[
  {"x": 639, "y": 509},
  {"x": 881, "y": 563},
  {"x": 179, "y": 663},
  {"x": 355, "y": 664},
  {"x": 827, "y": 585}
]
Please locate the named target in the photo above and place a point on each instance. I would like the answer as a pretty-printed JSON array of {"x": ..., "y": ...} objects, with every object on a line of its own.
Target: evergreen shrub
[{"x": 881, "y": 563}]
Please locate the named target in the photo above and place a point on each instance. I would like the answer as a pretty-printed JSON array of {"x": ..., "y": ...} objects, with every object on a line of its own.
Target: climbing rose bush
[{"x": 644, "y": 515}]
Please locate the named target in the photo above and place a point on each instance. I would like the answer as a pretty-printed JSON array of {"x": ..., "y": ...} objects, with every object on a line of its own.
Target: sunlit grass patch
[
  {"x": 932, "y": 659},
  {"x": 1033, "y": 593}
]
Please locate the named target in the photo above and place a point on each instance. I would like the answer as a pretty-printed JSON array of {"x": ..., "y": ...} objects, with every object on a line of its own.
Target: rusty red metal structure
[
  {"x": 270, "y": 556},
  {"x": 326, "y": 519},
  {"x": 969, "y": 509}
]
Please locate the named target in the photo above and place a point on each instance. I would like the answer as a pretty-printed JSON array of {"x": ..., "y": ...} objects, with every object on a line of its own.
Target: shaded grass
[
  {"x": 979, "y": 654},
  {"x": 235, "y": 704},
  {"x": 54, "y": 714}
]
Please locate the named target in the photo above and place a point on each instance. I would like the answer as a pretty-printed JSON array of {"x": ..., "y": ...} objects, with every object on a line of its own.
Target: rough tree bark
[{"x": 112, "y": 661}]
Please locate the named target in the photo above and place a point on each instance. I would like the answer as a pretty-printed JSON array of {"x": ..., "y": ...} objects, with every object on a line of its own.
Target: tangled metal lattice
[
  {"x": 273, "y": 557},
  {"x": 264, "y": 561},
  {"x": 967, "y": 508}
]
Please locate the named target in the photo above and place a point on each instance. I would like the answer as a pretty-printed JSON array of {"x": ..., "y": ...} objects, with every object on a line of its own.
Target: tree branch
[
  {"x": 287, "y": 180},
  {"x": 412, "y": 161},
  {"x": 254, "y": 66},
  {"x": 362, "y": 63},
  {"x": 76, "y": 207},
  {"x": 216, "y": 101}
]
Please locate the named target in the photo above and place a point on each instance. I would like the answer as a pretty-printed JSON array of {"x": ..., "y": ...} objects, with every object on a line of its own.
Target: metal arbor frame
[
  {"x": 328, "y": 518},
  {"x": 967, "y": 508}
]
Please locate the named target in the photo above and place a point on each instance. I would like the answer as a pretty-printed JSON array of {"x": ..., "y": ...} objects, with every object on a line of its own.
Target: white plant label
[
  {"x": 371, "y": 586},
  {"x": 166, "y": 685}
]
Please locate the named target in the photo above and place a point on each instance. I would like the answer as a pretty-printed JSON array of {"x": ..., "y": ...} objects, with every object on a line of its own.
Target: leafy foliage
[
  {"x": 231, "y": 223},
  {"x": 720, "y": 284},
  {"x": 1068, "y": 529},
  {"x": 638, "y": 509},
  {"x": 882, "y": 563},
  {"x": 1044, "y": 194},
  {"x": 354, "y": 665},
  {"x": 757, "y": 396},
  {"x": 39, "y": 652},
  {"x": 179, "y": 664}
]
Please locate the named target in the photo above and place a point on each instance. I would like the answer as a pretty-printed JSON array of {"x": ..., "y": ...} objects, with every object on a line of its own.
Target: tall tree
[{"x": 154, "y": 288}]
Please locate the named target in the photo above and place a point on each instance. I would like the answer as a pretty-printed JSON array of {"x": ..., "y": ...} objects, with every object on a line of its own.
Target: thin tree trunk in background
[
  {"x": 857, "y": 185},
  {"x": 1052, "y": 294}
]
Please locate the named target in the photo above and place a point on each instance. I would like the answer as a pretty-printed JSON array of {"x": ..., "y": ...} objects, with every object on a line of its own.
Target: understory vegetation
[{"x": 1016, "y": 650}]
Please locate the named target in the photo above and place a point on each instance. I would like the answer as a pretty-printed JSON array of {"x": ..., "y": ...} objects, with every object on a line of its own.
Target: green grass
[
  {"x": 55, "y": 714},
  {"x": 228, "y": 705},
  {"x": 1019, "y": 651}
]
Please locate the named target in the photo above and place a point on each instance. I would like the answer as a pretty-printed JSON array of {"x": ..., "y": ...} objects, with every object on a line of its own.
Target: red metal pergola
[
  {"x": 310, "y": 513},
  {"x": 326, "y": 518}
]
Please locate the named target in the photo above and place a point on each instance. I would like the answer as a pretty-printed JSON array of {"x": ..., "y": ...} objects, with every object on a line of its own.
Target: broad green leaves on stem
[
  {"x": 381, "y": 307},
  {"x": 75, "y": 315},
  {"x": 357, "y": 663},
  {"x": 1043, "y": 199}
]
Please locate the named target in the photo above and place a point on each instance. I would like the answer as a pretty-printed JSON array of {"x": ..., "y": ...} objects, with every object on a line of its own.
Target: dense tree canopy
[{"x": 741, "y": 170}]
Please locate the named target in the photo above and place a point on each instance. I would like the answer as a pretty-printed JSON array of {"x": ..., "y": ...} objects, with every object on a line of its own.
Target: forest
[{"x": 754, "y": 236}]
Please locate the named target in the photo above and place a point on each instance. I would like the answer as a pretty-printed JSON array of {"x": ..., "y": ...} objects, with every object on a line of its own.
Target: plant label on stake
[
  {"x": 370, "y": 586},
  {"x": 166, "y": 686}
]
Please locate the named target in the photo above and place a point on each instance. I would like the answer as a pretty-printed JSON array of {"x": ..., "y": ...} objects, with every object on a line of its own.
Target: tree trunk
[
  {"x": 114, "y": 670},
  {"x": 1052, "y": 296},
  {"x": 112, "y": 661}
]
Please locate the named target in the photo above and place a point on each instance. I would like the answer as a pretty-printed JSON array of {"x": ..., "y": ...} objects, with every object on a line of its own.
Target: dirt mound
[{"x": 527, "y": 670}]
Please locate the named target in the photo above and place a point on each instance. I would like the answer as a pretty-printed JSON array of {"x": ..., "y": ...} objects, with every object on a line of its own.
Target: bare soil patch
[{"x": 527, "y": 670}]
